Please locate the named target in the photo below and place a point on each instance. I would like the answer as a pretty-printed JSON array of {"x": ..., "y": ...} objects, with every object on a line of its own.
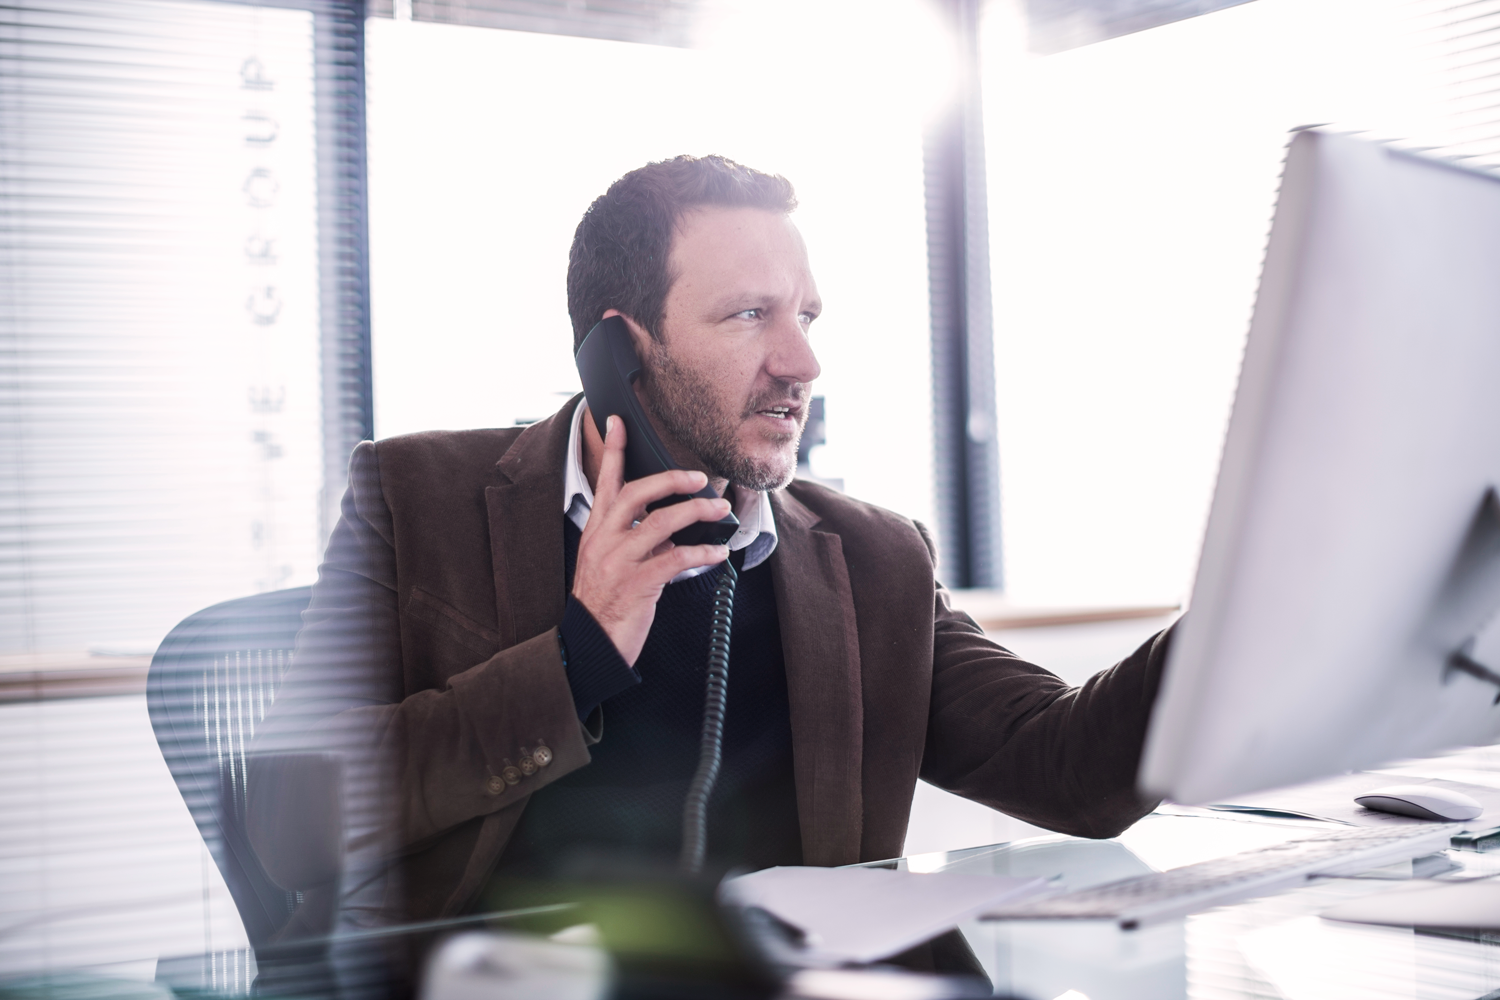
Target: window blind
[
  {"x": 1458, "y": 43},
  {"x": 176, "y": 390}
]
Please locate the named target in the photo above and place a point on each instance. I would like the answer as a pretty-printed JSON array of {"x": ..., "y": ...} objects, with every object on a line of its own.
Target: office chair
[{"x": 211, "y": 683}]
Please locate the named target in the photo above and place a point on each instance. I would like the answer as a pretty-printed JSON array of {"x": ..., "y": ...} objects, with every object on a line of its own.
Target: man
[{"x": 501, "y": 619}]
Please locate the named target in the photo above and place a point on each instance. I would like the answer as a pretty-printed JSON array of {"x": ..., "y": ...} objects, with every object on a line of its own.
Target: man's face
[{"x": 729, "y": 385}]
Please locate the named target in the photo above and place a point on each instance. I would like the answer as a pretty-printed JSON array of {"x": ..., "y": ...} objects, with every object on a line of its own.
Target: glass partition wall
[
  {"x": 183, "y": 370},
  {"x": 185, "y": 320}
]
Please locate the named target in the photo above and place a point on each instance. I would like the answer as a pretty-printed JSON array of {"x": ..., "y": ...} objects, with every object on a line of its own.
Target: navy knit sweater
[{"x": 628, "y": 800}]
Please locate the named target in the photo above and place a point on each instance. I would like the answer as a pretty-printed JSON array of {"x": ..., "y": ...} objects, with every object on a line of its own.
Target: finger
[
  {"x": 649, "y": 489},
  {"x": 630, "y": 504},
  {"x": 612, "y": 467},
  {"x": 661, "y": 569},
  {"x": 664, "y": 522},
  {"x": 655, "y": 530}
]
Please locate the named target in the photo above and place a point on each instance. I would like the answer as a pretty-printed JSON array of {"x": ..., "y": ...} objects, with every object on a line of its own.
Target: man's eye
[
  {"x": 748, "y": 314},
  {"x": 807, "y": 318}
]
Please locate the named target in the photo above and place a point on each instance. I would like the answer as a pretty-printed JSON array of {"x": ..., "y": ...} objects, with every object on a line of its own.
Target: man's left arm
[{"x": 1015, "y": 737}]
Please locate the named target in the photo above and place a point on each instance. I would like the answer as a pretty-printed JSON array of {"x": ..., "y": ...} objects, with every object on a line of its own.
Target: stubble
[{"x": 687, "y": 405}]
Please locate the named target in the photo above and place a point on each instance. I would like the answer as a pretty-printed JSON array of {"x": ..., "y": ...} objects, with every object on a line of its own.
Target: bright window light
[
  {"x": 1131, "y": 189},
  {"x": 486, "y": 146}
]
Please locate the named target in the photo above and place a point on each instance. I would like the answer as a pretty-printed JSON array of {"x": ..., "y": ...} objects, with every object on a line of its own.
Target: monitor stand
[
  {"x": 1470, "y": 596},
  {"x": 1460, "y": 661},
  {"x": 1467, "y": 602}
]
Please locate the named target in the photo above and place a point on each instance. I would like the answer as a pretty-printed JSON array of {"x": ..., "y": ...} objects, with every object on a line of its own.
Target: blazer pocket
[{"x": 451, "y": 623}]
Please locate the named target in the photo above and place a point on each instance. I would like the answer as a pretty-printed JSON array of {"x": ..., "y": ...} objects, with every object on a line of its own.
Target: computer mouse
[{"x": 1421, "y": 801}]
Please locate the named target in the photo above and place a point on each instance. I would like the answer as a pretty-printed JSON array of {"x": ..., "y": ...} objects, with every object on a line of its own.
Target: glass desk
[{"x": 1273, "y": 947}]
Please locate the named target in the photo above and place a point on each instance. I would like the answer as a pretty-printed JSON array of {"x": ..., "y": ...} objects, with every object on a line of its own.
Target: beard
[{"x": 690, "y": 409}]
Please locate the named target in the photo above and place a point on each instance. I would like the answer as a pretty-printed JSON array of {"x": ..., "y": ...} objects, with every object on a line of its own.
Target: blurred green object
[
  {"x": 664, "y": 931},
  {"x": 81, "y": 986}
]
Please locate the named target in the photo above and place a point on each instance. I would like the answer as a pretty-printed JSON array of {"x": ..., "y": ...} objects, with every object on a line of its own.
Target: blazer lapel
[
  {"x": 526, "y": 529},
  {"x": 815, "y": 609}
]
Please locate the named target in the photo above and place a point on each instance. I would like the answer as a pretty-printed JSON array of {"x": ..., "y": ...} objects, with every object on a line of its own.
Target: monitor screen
[{"x": 1351, "y": 550}]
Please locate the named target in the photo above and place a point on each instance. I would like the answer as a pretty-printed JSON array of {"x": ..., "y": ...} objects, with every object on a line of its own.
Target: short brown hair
[{"x": 619, "y": 258}]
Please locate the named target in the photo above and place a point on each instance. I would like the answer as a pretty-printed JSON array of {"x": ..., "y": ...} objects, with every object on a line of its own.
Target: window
[
  {"x": 487, "y": 145},
  {"x": 1131, "y": 189}
]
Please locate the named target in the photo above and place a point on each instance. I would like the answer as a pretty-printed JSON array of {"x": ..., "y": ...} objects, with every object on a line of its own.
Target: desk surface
[{"x": 1273, "y": 947}]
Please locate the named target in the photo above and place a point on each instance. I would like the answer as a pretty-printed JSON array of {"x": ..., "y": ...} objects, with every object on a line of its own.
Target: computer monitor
[{"x": 1352, "y": 554}]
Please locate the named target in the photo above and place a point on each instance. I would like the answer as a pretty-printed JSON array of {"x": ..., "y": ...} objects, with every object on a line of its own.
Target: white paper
[
  {"x": 1310, "y": 959},
  {"x": 866, "y": 914}
]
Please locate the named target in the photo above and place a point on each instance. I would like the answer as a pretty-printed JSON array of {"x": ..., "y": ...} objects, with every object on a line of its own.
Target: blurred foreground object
[{"x": 478, "y": 966}]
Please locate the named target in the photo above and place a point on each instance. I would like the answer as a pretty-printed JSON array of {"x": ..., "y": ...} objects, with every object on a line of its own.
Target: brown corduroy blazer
[{"x": 433, "y": 633}]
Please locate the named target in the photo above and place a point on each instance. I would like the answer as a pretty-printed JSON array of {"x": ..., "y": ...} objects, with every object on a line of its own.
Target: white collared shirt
[{"x": 757, "y": 532}]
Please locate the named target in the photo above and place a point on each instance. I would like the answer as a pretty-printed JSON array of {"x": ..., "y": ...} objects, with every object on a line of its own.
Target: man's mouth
[{"x": 785, "y": 404}]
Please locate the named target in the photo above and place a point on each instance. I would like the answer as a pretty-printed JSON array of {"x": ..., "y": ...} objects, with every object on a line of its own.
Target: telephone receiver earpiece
[{"x": 609, "y": 366}]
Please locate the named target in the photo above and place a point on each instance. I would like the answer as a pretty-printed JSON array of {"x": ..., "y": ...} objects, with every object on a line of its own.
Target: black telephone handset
[{"x": 609, "y": 366}]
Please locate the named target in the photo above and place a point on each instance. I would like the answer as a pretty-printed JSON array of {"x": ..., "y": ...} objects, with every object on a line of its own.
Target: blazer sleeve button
[
  {"x": 528, "y": 766},
  {"x": 542, "y": 755},
  {"x": 496, "y": 784},
  {"x": 511, "y": 776}
]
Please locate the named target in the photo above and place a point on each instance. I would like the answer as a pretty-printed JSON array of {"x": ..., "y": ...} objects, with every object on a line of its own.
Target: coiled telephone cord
[{"x": 710, "y": 747}]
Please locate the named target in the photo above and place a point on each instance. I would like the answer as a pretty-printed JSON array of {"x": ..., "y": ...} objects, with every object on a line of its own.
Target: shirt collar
[{"x": 757, "y": 532}]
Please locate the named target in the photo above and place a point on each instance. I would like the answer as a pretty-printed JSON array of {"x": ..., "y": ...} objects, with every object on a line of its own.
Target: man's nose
[{"x": 791, "y": 354}]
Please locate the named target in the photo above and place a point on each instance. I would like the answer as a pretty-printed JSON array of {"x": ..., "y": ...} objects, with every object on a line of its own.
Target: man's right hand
[{"x": 626, "y": 555}]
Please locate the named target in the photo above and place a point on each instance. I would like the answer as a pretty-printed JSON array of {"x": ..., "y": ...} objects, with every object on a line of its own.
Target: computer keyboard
[{"x": 1164, "y": 895}]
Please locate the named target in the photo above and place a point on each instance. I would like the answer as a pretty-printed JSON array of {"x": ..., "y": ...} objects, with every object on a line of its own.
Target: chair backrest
[{"x": 211, "y": 683}]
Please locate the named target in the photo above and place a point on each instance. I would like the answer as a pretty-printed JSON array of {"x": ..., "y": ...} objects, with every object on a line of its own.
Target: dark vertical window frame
[
  {"x": 344, "y": 235},
  {"x": 966, "y": 454}
]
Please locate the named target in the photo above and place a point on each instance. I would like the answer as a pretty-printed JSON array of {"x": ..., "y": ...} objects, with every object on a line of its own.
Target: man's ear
[{"x": 643, "y": 340}]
